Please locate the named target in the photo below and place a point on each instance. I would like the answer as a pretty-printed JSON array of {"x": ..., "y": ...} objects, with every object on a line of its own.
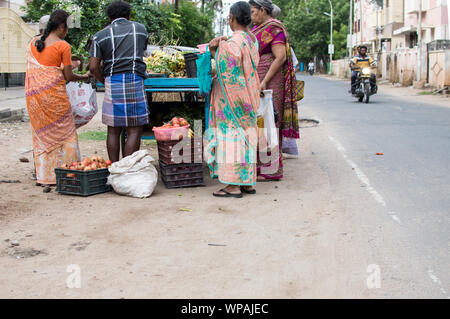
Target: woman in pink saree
[
  {"x": 276, "y": 71},
  {"x": 232, "y": 137}
]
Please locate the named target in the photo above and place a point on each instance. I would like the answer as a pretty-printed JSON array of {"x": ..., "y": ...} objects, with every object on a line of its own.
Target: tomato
[
  {"x": 176, "y": 125},
  {"x": 108, "y": 162},
  {"x": 184, "y": 123}
]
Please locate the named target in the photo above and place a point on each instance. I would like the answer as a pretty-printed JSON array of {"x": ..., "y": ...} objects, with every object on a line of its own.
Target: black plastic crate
[
  {"x": 191, "y": 65},
  {"x": 180, "y": 168},
  {"x": 184, "y": 183},
  {"x": 168, "y": 156},
  {"x": 82, "y": 183},
  {"x": 181, "y": 175}
]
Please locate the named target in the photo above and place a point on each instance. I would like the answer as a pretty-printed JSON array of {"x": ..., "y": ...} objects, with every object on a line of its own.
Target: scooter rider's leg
[
  {"x": 373, "y": 83},
  {"x": 353, "y": 82}
]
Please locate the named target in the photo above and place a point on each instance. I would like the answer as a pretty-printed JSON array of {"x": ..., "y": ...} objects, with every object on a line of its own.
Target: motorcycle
[{"x": 363, "y": 89}]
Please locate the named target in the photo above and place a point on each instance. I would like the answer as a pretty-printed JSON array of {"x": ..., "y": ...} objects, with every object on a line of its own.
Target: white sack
[{"x": 134, "y": 175}]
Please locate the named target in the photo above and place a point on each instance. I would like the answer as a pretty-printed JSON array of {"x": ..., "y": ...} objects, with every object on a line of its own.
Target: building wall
[
  {"x": 14, "y": 5},
  {"x": 14, "y": 38},
  {"x": 398, "y": 62},
  {"x": 438, "y": 69}
]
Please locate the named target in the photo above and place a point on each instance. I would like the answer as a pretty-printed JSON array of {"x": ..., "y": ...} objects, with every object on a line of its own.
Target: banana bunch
[{"x": 173, "y": 65}]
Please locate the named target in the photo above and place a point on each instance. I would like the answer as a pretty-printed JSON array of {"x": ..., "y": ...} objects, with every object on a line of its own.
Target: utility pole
[
  {"x": 350, "y": 30},
  {"x": 330, "y": 47},
  {"x": 419, "y": 43},
  {"x": 361, "y": 20}
]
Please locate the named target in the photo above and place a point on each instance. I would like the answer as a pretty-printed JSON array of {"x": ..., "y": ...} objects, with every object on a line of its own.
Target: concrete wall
[
  {"x": 15, "y": 36},
  {"x": 341, "y": 68},
  {"x": 447, "y": 68},
  {"x": 439, "y": 68},
  {"x": 400, "y": 66}
]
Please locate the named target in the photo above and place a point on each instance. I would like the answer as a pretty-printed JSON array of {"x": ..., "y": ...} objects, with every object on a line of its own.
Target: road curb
[{"x": 8, "y": 115}]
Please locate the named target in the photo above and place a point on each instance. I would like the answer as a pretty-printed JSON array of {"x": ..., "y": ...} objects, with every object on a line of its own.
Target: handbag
[
  {"x": 204, "y": 72},
  {"x": 83, "y": 101},
  {"x": 267, "y": 130},
  {"x": 299, "y": 90}
]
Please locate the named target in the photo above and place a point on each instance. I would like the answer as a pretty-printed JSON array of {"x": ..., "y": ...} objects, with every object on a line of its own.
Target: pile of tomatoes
[
  {"x": 176, "y": 122},
  {"x": 88, "y": 164}
]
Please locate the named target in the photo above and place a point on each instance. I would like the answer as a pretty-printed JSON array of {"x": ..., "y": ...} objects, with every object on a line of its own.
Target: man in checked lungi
[{"x": 121, "y": 47}]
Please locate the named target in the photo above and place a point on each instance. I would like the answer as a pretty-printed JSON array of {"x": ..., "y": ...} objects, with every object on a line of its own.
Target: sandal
[
  {"x": 228, "y": 194},
  {"x": 264, "y": 179},
  {"x": 251, "y": 192}
]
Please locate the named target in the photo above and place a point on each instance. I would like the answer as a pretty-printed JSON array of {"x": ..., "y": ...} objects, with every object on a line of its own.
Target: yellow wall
[{"x": 14, "y": 38}]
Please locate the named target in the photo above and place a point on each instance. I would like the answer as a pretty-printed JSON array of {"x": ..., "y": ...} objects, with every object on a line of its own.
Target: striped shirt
[{"x": 121, "y": 46}]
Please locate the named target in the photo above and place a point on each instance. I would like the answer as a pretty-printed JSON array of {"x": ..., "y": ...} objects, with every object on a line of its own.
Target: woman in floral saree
[
  {"x": 55, "y": 139},
  {"x": 232, "y": 137},
  {"x": 276, "y": 71}
]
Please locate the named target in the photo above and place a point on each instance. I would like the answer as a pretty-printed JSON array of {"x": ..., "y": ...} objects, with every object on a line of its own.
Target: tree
[
  {"x": 309, "y": 28},
  {"x": 189, "y": 26}
]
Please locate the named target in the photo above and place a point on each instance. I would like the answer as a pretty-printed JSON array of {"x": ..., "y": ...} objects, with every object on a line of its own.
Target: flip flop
[
  {"x": 228, "y": 194},
  {"x": 252, "y": 192}
]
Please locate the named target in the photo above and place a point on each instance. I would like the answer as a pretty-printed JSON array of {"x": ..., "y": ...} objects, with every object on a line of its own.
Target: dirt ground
[{"x": 302, "y": 237}]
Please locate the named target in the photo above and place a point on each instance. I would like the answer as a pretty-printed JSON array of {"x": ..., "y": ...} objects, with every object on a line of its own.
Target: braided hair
[{"x": 57, "y": 18}]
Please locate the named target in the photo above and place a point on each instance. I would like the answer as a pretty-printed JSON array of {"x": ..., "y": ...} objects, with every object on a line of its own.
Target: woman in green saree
[{"x": 232, "y": 137}]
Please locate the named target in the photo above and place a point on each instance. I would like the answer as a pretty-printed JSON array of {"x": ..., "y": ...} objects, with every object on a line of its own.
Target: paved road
[{"x": 411, "y": 182}]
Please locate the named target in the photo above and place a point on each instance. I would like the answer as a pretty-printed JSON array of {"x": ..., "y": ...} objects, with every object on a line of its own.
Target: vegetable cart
[{"x": 170, "y": 85}]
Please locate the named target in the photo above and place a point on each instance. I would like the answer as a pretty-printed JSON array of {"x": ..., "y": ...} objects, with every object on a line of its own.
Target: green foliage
[
  {"x": 189, "y": 26},
  {"x": 309, "y": 28},
  {"x": 195, "y": 26},
  {"x": 38, "y": 8}
]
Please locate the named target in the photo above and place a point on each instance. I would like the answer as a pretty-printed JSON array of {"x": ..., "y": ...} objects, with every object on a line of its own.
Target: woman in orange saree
[
  {"x": 232, "y": 138},
  {"x": 55, "y": 139}
]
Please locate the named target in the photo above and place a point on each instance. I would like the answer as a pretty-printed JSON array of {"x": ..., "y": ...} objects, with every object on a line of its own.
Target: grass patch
[
  {"x": 92, "y": 136},
  {"x": 148, "y": 142},
  {"x": 425, "y": 93}
]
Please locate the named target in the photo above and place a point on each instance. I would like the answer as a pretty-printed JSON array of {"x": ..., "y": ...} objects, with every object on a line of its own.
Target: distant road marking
[
  {"x": 359, "y": 173},
  {"x": 365, "y": 180}
]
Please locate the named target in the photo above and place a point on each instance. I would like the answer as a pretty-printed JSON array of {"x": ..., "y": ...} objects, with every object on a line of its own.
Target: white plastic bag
[
  {"x": 83, "y": 100},
  {"x": 265, "y": 112},
  {"x": 134, "y": 175}
]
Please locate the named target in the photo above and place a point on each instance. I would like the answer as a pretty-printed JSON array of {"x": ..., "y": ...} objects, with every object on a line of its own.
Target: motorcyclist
[
  {"x": 360, "y": 61},
  {"x": 311, "y": 67}
]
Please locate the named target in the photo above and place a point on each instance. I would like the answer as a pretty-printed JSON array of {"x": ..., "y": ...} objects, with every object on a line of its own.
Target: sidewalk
[
  {"x": 12, "y": 98},
  {"x": 12, "y": 104}
]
